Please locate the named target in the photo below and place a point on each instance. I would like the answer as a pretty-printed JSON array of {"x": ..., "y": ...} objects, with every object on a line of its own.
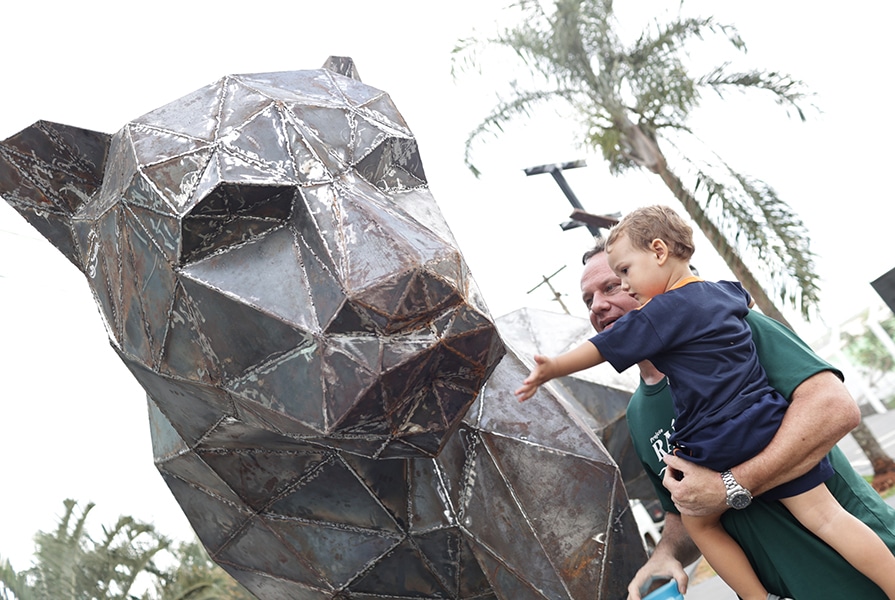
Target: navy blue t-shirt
[{"x": 696, "y": 334}]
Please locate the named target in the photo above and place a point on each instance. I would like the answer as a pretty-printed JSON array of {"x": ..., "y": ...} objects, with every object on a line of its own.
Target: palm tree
[
  {"x": 635, "y": 102},
  {"x": 69, "y": 564}
]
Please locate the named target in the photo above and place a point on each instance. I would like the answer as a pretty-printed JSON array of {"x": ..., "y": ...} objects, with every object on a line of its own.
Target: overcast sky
[{"x": 73, "y": 422}]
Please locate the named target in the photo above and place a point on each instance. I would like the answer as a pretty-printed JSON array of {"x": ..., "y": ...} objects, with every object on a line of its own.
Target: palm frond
[
  {"x": 788, "y": 91},
  {"x": 654, "y": 68},
  {"x": 526, "y": 40},
  {"x": 791, "y": 247},
  {"x": 750, "y": 213},
  {"x": 13, "y": 585},
  {"x": 505, "y": 111},
  {"x": 670, "y": 37},
  {"x": 465, "y": 56}
]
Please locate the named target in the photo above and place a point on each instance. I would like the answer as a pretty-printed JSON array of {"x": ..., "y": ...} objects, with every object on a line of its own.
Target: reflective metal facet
[
  {"x": 327, "y": 399},
  {"x": 600, "y": 395}
]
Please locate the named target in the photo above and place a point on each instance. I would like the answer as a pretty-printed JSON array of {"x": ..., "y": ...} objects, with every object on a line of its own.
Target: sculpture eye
[{"x": 232, "y": 214}]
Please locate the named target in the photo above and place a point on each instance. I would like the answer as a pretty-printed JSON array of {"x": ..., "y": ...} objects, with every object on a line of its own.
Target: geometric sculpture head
[
  {"x": 266, "y": 249},
  {"x": 272, "y": 268}
]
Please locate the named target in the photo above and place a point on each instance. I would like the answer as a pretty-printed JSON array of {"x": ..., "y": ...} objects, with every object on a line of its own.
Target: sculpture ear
[
  {"x": 343, "y": 65},
  {"x": 48, "y": 172}
]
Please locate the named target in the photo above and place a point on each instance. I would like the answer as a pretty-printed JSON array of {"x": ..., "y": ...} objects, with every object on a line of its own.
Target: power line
[{"x": 556, "y": 295}]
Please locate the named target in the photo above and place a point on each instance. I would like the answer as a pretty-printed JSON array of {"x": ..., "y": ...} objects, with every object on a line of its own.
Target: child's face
[{"x": 638, "y": 268}]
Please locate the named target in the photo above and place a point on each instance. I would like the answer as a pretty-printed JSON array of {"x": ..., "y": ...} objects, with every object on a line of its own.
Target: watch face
[{"x": 739, "y": 500}]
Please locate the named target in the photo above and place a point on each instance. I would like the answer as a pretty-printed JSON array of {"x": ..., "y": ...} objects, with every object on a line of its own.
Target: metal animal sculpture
[{"x": 271, "y": 266}]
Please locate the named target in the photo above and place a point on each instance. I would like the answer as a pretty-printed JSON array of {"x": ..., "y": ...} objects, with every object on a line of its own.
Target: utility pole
[{"x": 556, "y": 295}]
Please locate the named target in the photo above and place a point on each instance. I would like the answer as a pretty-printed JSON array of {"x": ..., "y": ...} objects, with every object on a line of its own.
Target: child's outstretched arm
[{"x": 546, "y": 368}]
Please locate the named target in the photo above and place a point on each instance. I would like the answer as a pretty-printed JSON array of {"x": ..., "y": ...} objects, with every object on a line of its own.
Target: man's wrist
[
  {"x": 752, "y": 475},
  {"x": 738, "y": 497}
]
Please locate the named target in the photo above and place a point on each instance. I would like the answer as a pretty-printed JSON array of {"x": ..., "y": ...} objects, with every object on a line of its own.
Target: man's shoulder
[
  {"x": 786, "y": 358},
  {"x": 764, "y": 327},
  {"x": 762, "y": 321}
]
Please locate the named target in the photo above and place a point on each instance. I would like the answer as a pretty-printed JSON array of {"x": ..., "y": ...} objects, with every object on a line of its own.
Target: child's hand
[{"x": 540, "y": 374}]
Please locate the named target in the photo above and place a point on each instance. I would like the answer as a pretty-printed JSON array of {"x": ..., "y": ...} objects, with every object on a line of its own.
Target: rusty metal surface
[
  {"x": 599, "y": 394},
  {"x": 271, "y": 266}
]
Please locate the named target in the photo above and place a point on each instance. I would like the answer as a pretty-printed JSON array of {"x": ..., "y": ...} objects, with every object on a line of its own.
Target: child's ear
[{"x": 660, "y": 249}]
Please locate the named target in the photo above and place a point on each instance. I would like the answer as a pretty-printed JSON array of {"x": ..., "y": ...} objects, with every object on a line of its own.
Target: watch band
[{"x": 738, "y": 497}]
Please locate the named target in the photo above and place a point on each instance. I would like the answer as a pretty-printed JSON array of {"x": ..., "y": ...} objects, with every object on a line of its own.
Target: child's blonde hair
[{"x": 645, "y": 224}]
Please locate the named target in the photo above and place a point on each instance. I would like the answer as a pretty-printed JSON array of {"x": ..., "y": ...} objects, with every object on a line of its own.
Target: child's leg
[
  {"x": 821, "y": 514},
  {"x": 725, "y": 556}
]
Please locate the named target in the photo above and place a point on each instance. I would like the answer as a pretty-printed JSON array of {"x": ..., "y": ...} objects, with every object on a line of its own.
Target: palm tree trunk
[
  {"x": 882, "y": 464},
  {"x": 644, "y": 150}
]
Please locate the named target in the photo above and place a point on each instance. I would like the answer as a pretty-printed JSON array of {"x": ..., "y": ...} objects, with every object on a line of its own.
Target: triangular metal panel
[
  {"x": 153, "y": 144},
  {"x": 281, "y": 286},
  {"x": 287, "y": 391},
  {"x": 241, "y": 336},
  {"x": 212, "y": 515},
  {"x": 259, "y": 475},
  {"x": 261, "y": 141},
  {"x": 194, "y": 115}
]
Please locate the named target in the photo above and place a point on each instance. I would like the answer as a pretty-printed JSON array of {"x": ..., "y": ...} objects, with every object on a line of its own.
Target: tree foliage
[
  {"x": 875, "y": 361},
  {"x": 868, "y": 351},
  {"x": 635, "y": 101},
  {"x": 196, "y": 577},
  {"x": 124, "y": 563}
]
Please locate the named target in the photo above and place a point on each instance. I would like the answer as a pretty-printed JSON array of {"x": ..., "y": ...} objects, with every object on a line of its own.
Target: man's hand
[
  {"x": 695, "y": 490},
  {"x": 674, "y": 550},
  {"x": 660, "y": 570},
  {"x": 820, "y": 413}
]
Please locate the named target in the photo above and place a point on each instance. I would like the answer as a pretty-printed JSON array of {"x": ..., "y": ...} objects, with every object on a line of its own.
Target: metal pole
[{"x": 555, "y": 171}]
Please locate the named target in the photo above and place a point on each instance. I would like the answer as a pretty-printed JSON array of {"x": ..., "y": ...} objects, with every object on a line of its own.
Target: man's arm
[
  {"x": 821, "y": 412},
  {"x": 674, "y": 551}
]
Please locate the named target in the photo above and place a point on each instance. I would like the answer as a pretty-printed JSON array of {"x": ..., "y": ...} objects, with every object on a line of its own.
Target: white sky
[{"x": 72, "y": 420}]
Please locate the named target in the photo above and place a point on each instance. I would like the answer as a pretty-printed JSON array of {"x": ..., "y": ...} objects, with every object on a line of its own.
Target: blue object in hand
[{"x": 668, "y": 591}]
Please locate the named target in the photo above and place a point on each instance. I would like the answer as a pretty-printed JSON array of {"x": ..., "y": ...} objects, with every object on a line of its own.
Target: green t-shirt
[{"x": 788, "y": 559}]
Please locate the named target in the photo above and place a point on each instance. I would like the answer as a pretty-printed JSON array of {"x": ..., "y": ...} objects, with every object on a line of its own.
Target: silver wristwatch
[{"x": 738, "y": 497}]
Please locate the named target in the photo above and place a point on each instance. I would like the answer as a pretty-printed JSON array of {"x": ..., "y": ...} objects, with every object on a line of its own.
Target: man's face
[{"x": 601, "y": 290}]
